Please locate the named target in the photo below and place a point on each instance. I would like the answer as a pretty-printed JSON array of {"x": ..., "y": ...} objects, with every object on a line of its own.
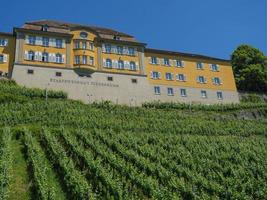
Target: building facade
[{"x": 93, "y": 64}]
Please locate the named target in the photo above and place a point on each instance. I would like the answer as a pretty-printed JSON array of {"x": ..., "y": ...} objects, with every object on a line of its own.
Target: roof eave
[{"x": 197, "y": 56}]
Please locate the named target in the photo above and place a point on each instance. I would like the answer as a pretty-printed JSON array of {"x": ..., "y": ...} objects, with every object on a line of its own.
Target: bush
[
  {"x": 195, "y": 107},
  {"x": 253, "y": 98},
  {"x": 10, "y": 86}
]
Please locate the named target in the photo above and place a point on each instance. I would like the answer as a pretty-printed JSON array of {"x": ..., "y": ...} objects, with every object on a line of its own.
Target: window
[
  {"x": 183, "y": 92},
  {"x": 110, "y": 78},
  {"x": 45, "y": 41},
  {"x": 156, "y": 90},
  {"x": 154, "y": 60},
  {"x": 59, "y": 43},
  {"x": 30, "y": 71},
  {"x": 31, "y": 55},
  {"x": 84, "y": 45},
  {"x": 200, "y": 65},
  {"x": 155, "y": 75},
  {"x": 204, "y": 94},
  {"x": 134, "y": 80},
  {"x": 201, "y": 79},
  {"x": 219, "y": 95},
  {"x": 168, "y": 76},
  {"x": 214, "y": 67},
  {"x": 58, "y": 74},
  {"x": 1, "y": 58},
  {"x": 45, "y": 27},
  {"x": 108, "y": 48},
  {"x": 121, "y": 64},
  {"x": 91, "y": 45},
  {"x": 32, "y": 40},
  {"x": 116, "y": 37},
  {"x": 120, "y": 50},
  {"x": 58, "y": 58},
  {"x": 108, "y": 63},
  {"x": 91, "y": 60},
  {"x": 131, "y": 51},
  {"x": 77, "y": 44},
  {"x": 3, "y": 42},
  {"x": 132, "y": 66},
  {"x": 166, "y": 62},
  {"x": 179, "y": 63},
  {"x": 77, "y": 59},
  {"x": 217, "y": 81},
  {"x": 45, "y": 57},
  {"x": 84, "y": 60},
  {"x": 170, "y": 91},
  {"x": 180, "y": 77}
]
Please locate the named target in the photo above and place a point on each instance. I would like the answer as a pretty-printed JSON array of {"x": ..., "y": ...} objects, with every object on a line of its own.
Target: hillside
[{"x": 63, "y": 149}]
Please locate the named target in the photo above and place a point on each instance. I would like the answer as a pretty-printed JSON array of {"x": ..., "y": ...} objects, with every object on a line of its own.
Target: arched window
[
  {"x": 132, "y": 66},
  {"x": 121, "y": 64},
  {"x": 108, "y": 63},
  {"x": 31, "y": 55},
  {"x": 45, "y": 57},
  {"x": 58, "y": 58}
]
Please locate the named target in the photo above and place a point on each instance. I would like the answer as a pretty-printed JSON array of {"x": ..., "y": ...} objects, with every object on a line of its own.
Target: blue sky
[{"x": 210, "y": 27}]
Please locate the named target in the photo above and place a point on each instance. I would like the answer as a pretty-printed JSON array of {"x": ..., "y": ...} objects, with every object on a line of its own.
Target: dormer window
[
  {"x": 116, "y": 37},
  {"x": 45, "y": 27}
]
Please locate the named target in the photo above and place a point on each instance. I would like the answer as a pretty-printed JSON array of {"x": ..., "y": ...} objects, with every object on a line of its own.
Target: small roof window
[
  {"x": 45, "y": 27},
  {"x": 116, "y": 37}
]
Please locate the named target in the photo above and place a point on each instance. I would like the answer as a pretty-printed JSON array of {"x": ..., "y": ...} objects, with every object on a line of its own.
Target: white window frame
[
  {"x": 204, "y": 92},
  {"x": 214, "y": 67},
  {"x": 84, "y": 45},
  {"x": 59, "y": 43},
  {"x": 45, "y": 41},
  {"x": 32, "y": 40},
  {"x": 91, "y": 60},
  {"x": 91, "y": 44},
  {"x": 108, "y": 63},
  {"x": 131, "y": 51},
  {"x": 183, "y": 92},
  {"x": 132, "y": 66},
  {"x": 170, "y": 91},
  {"x": 31, "y": 55},
  {"x": 154, "y": 60},
  {"x": 108, "y": 48},
  {"x": 120, "y": 50},
  {"x": 3, "y": 42},
  {"x": 200, "y": 65},
  {"x": 45, "y": 57},
  {"x": 77, "y": 60},
  {"x": 76, "y": 44},
  {"x": 179, "y": 63},
  {"x": 155, "y": 75},
  {"x": 84, "y": 60},
  {"x": 168, "y": 76},
  {"x": 59, "y": 58},
  {"x": 166, "y": 61},
  {"x": 219, "y": 95},
  {"x": 178, "y": 78},
  {"x": 217, "y": 81},
  {"x": 199, "y": 79},
  {"x": 121, "y": 64},
  {"x": 156, "y": 90}
]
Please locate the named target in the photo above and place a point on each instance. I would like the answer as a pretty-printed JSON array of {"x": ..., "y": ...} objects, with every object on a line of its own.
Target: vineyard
[{"x": 63, "y": 149}]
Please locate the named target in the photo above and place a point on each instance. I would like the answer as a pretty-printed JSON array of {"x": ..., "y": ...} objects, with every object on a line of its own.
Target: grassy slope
[
  {"x": 23, "y": 111},
  {"x": 20, "y": 183}
]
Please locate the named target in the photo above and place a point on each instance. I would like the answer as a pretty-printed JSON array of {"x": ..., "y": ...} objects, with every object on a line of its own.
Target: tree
[{"x": 250, "y": 69}]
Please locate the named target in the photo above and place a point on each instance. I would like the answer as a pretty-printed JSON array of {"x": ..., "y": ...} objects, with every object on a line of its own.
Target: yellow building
[
  {"x": 94, "y": 63},
  {"x": 7, "y": 53}
]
